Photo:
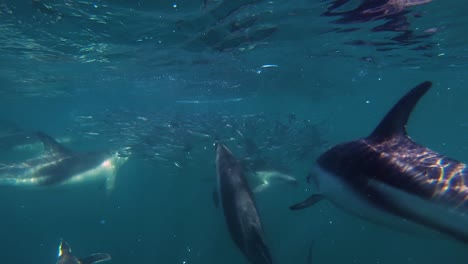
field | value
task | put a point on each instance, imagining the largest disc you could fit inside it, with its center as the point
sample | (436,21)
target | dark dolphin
(60,165)
(239,208)
(389,179)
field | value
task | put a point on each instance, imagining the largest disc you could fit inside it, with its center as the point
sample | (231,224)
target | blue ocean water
(279,82)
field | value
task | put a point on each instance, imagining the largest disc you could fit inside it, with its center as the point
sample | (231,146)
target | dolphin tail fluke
(313,199)
(95,258)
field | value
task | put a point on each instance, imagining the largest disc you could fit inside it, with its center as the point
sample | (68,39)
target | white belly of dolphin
(432,212)
(344,197)
(103,171)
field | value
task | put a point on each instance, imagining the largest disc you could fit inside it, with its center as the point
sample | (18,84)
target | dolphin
(389,179)
(60,165)
(65,256)
(240,211)
(268,177)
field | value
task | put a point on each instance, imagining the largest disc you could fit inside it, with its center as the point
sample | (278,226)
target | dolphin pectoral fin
(95,258)
(260,188)
(215,198)
(110,183)
(313,199)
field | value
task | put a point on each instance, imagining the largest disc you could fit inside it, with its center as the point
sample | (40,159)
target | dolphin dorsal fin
(394,123)
(95,258)
(51,144)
